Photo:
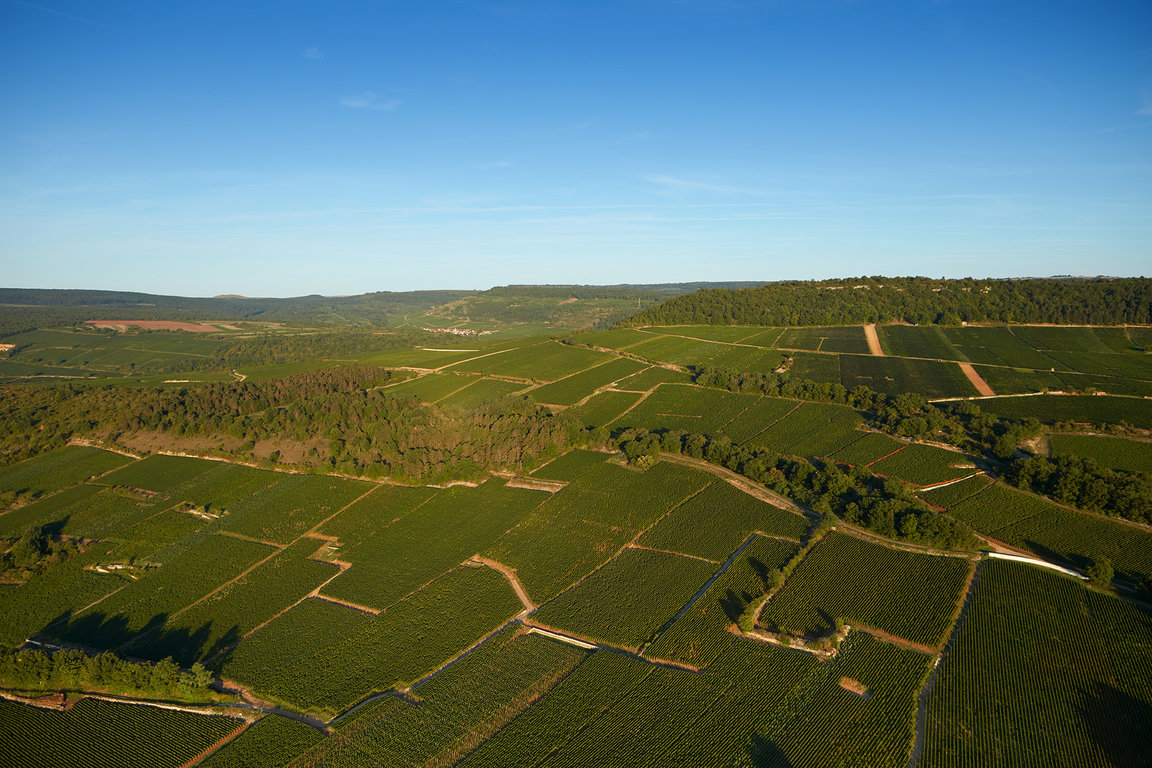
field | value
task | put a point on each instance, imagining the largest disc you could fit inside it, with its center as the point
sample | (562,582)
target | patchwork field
(575,610)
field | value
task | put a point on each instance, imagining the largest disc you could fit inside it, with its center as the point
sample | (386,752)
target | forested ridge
(351,426)
(917,300)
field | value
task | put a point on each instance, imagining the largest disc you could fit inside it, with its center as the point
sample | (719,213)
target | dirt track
(977,381)
(873,340)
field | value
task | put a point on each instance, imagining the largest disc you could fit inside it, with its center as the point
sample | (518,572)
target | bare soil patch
(873,340)
(855,686)
(977,381)
(151,442)
(155,325)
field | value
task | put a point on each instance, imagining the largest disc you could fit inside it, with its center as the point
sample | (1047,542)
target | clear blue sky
(292,147)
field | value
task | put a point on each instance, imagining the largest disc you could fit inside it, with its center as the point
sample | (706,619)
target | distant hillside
(1100,301)
(560,306)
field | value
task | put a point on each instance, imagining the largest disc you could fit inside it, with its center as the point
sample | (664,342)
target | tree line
(918,300)
(1069,480)
(885,506)
(74,670)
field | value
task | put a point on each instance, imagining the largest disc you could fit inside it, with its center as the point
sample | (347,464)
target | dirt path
(918,549)
(469,359)
(900,642)
(678,554)
(873,340)
(513,579)
(534,484)
(588,643)
(977,381)
(739,481)
(346,603)
(947,483)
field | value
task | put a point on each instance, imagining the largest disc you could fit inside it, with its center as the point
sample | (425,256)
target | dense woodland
(347,424)
(916,300)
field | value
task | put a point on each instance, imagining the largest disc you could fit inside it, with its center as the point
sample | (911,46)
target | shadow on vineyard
(1077,561)
(734,604)
(765,754)
(1118,723)
(153,641)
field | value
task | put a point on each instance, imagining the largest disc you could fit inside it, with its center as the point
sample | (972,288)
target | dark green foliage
(1099,571)
(911,299)
(69,670)
(361,430)
(1084,484)
(33,553)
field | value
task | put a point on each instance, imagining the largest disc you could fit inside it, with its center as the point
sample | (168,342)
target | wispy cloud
(61,14)
(313,53)
(673,184)
(369,100)
(492,165)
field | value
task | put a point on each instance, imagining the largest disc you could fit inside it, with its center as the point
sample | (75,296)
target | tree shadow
(763,572)
(765,754)
(1118,723)
(153,641)
(829,622)
(734,604)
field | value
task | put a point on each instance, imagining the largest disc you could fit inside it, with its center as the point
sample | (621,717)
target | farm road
(510,574)
(977,380)
(873,340)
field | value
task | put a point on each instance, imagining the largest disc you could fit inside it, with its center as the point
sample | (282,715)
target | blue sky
(292,147)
